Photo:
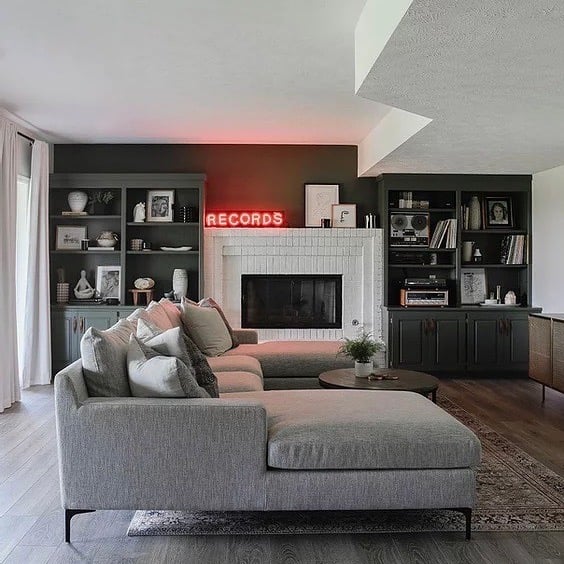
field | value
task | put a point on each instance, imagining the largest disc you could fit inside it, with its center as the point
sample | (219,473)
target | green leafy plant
(101,197)
(363,348)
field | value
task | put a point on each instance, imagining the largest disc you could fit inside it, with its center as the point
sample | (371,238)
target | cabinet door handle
(433,325)
(501,326)
(82,324)
(74,324)
(508,327)
(426,326)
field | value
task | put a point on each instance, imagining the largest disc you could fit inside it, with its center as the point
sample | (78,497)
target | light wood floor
(31,522)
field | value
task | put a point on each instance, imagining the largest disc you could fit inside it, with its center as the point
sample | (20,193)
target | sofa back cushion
(206,328)
(156,375)
(104,360)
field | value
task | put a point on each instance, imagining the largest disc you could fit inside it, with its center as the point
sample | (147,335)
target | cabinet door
(484,341)
(98,319)
(540,349)
(64,342)
(446,341)
(558,355)
(516,342)
(409,339)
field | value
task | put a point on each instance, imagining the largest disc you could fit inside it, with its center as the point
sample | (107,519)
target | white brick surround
(356,254)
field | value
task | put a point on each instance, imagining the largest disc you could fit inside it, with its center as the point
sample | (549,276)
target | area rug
(515,493)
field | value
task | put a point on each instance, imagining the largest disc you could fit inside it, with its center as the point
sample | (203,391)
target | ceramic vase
(467,248)
(474,213)
(77,201)
(179,283)
(363,369)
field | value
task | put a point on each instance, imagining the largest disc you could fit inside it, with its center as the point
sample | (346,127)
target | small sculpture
(144,283)
(83,290)
(139,212)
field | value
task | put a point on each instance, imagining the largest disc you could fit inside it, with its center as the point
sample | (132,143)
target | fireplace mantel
(356,254)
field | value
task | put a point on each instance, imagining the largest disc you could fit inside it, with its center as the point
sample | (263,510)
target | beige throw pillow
(206,328)
(210,302)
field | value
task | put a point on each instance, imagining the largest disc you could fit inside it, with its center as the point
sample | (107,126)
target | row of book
(445,232)
(513,250)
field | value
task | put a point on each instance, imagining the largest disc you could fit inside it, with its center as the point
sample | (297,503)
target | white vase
(179,283)
(77,201)
(363,369)
(474,214)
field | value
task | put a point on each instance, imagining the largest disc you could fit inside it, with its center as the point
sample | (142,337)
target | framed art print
(318,201)
(160,205)
(69,236)
(472,285)
(343,215)
(108,282)
(498,212)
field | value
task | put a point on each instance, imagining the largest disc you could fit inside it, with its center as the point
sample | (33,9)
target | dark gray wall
(239,176)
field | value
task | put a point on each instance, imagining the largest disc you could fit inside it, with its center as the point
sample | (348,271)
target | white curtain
(33,310)
(9,384)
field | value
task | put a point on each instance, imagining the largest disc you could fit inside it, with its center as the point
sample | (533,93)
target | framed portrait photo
(472,285)
(160,205)
(69,236)
(108,282)
(498,212)
(318,201)
(343,215)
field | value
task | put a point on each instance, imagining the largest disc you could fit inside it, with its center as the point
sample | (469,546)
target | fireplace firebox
(291,301)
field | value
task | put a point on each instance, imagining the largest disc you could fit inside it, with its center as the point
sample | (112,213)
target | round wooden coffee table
(407,380)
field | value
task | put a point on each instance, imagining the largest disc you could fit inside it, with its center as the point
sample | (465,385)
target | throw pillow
(175,342)
(210,302)
(156,376)
(206,328)
(157,315)
(104,360)
(172,311)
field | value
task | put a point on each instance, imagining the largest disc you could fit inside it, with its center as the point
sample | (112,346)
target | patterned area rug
(515,493)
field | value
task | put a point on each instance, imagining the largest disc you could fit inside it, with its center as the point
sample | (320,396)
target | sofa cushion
(235,363)
(280,359)
(349,429)
(104,360)
(233,381)
(175,342)
(152,375)
(206,328)
(172,311)
(210,302)
(158,315)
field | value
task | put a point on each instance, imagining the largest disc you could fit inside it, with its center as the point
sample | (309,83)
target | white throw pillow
(152,375)
(206,328)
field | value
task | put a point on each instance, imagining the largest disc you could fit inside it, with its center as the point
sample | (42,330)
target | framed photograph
(318,201)
(108,282)
(343,215)
(498,211)
(159,205)
(472,285)
(69,236)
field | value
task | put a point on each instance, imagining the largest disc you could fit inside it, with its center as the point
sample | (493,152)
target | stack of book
(513,249)
(445,231)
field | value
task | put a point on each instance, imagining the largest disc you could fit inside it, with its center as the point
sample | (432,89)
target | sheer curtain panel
(34,312)
(9,384)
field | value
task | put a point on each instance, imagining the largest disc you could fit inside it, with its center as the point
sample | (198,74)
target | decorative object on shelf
(433,259)
(474,214)
(477,255)
(472,285)
(188,214)
(361,350)
(139,212)
(63,292)
(467,248)
(77,201)
(499,212)
(108,282)
(179,283)
(99,201)
(144,283)
(84,244)
(370,221)
(510,298)
(148,294)
(107,239)
(83,290)
(136,244)
(343,215)
(325,222)
(318,201)
(176,249)
(159,205)
(169,295)
(146,246)
(68,237)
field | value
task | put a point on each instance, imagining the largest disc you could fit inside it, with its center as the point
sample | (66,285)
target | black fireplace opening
(291,301)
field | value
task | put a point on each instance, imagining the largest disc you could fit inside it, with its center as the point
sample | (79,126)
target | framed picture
(159,205)
(318,201)
(498,211)
(472,285)
(69,236)
(108,282)
(343,215)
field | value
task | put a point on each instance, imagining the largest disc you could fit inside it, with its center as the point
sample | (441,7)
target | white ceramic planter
(363,369)
(179,283)
(77,201)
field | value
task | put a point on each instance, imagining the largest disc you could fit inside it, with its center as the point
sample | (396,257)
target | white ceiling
(488,75)
(251,71)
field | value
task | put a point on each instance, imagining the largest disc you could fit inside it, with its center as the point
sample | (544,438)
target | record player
(409,229)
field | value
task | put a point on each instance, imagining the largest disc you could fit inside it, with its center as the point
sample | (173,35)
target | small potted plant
(99,201)
(361,350)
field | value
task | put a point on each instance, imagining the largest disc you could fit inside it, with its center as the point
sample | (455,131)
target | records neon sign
(245,219)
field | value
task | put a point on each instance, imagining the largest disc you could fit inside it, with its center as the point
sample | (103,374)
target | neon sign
(245,219)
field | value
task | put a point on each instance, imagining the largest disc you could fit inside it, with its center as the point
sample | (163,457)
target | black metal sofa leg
(467,512)
(69,514)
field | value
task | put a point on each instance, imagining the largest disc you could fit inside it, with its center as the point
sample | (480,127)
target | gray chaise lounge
(261,451)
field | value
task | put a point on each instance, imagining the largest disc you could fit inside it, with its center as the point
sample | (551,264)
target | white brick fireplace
(356,254)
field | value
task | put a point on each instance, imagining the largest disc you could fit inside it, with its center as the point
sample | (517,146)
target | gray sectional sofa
(256,450)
